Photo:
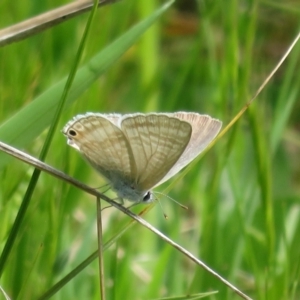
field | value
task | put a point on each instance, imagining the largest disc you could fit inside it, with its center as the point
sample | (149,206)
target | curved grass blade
(30,121)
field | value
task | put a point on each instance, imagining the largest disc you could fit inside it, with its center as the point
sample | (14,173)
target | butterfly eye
(72,132)
(147,197)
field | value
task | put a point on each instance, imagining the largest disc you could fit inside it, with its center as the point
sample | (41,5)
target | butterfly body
(137,152)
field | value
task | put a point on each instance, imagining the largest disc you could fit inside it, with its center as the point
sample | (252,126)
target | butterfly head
(129,191)
(148,197)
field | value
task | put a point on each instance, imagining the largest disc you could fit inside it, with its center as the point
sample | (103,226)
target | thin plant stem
(41,165)
(46,20)
(100,249)
(36,173)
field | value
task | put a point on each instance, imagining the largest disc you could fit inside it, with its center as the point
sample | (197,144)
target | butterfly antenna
(156,199)
(178,203)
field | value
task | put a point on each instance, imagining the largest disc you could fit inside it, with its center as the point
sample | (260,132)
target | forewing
(157,141)
(204,130)
(102,143)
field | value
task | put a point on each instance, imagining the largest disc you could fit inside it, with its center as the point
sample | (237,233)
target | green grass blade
(29,122)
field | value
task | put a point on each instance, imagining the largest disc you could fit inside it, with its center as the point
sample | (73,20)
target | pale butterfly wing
(137,152)
(102,143)
(204,130)
(157,141)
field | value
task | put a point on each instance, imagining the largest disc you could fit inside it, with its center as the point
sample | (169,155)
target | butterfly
(137,152)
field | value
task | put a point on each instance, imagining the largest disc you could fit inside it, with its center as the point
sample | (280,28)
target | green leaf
(30,121)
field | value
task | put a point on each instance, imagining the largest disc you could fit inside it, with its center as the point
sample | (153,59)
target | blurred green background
(243,195)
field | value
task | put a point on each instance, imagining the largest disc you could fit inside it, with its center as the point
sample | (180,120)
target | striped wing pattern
(103,144)
(157,141)
(137,152)
(204,130)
